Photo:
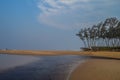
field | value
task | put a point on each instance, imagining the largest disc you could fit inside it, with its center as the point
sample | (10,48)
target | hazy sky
(50,24)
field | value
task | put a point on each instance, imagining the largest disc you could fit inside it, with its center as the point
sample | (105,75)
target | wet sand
(97,69)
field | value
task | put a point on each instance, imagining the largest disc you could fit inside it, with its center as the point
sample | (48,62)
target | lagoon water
(22,67)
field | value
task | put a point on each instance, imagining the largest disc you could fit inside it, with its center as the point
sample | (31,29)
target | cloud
(70,13)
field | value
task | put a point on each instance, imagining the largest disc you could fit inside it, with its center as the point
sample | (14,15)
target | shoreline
(102,65)
(99,54)
(97,69)
(75,67)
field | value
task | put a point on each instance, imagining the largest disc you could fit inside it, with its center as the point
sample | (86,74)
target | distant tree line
(104,34)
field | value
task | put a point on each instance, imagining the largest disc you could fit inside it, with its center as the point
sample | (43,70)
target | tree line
(103,34)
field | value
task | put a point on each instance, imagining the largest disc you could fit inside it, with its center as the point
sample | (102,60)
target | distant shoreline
(105,54)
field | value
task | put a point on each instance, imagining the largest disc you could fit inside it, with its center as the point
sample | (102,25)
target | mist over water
(37,67)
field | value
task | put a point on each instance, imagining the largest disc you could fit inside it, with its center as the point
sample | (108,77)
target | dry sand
(49,53)
(97,69)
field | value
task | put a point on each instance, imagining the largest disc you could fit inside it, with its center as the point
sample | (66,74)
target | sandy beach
(102,66)
(106,54)
(97,69)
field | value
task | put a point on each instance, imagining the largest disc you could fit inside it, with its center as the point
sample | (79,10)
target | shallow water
(18,67)
(11,61)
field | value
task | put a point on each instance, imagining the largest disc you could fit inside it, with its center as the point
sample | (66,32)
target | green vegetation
(103,36)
